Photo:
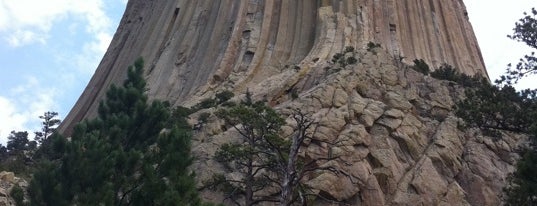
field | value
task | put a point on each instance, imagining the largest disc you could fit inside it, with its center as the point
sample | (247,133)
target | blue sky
(49,50)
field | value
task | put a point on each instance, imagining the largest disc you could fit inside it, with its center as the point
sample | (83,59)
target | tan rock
(389,75)
(397,101)
(340,98)
(372,112)
(4,201)
(7,176)
(355,135)
(428,182)
(339,188)
(357,104)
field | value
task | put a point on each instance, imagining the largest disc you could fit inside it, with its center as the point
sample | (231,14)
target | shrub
(223,96)
(204,104)
(371,46)
(351,60)
(421,66)
(18,195)
(337,57)
(204,117)
(294,94)
(349,49)
(446,72)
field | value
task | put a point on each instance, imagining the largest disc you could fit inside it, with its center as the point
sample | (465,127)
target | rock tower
(192,46)
(404,146)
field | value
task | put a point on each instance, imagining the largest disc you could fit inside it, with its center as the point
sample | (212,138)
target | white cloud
(9,119)
(34,18)
(20,110)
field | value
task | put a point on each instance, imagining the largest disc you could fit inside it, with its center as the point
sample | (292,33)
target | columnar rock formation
(399,142)
(192,47)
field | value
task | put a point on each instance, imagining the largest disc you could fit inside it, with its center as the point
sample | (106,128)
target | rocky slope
(398,140)
(8,181)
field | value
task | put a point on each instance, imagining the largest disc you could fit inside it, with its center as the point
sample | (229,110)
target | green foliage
(342,61)
(522,186)
(294,94)
(256,123)
(446,72)
(17,155)
(351,60)
(494,108)
(125,156)
(205,103)
(18,195)
(491,107)
(337,57)
(525,31)
(224,96)
(421,66)
(220,98)
(349,49)
(268,164)
(48,126)
(17,142)
(371,46)
(204,117)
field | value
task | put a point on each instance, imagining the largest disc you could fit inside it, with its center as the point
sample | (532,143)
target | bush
(204,117)
(294,94)
(204,104)
(349,49)
(421,67)
(371,46)
(336,58)
(18,195)
(224,96)
(446,72)
(351,60)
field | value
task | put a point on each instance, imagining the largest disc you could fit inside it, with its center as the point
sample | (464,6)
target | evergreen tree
(17,142)
(493,107)
(269,165)
(48,126)
(525,31)
(125,156)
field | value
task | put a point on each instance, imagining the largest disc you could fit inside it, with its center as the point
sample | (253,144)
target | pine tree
(268,163)
(49,124)
(125,156)
(525,31)
(501,107)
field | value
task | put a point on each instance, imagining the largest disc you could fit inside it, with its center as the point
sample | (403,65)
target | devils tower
(192,46)
(403,143)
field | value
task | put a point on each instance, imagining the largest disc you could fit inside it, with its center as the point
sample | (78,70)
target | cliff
(192,47)
(401,143)
(396,138)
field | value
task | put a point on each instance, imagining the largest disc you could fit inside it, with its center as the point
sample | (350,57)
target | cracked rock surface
(399,142)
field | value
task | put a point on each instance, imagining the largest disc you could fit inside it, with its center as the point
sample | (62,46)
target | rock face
(8,181)
(193,47)
(398,140)
(396,137)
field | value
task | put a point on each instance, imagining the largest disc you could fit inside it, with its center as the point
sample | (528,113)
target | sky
(50,49)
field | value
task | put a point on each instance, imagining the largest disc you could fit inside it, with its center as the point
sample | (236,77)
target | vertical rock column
(193,47)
